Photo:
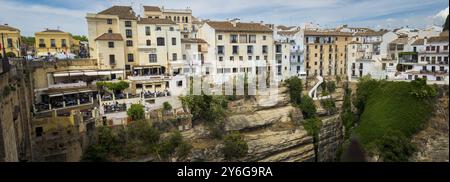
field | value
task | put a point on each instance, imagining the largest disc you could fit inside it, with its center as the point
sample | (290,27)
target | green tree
(308,107)
(167,106)
(80,37)
(331,86)
(365,87)
(347,113)
(117,87)
(136,112)
(28,40)
(329,105)
(295,89)
(395,147)
(420,89)
(234,146)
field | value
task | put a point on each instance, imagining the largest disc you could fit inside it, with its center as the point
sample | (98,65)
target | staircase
(313,92)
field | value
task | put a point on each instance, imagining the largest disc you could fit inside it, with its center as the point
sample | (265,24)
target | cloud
(32,16)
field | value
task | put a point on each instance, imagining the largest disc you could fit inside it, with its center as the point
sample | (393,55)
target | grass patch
(391,107)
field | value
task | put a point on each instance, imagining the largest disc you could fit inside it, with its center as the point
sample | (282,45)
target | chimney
(425,41)
(234,21)
(139,17)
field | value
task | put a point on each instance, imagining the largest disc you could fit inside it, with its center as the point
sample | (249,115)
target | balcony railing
(68,85)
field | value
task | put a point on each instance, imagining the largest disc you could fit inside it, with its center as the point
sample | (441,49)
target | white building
(289,49)
(431,61)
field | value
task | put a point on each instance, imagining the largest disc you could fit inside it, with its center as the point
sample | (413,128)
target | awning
(86,73)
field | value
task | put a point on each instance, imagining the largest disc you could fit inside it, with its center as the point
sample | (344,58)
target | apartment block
(430,61)
(292,51)
(238,47)
(50,42)
(326,52)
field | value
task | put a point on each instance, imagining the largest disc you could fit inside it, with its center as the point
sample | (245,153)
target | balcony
(42,45)
(408,61)
(148,77)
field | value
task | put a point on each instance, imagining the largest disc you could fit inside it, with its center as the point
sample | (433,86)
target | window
(249,49)
(63,43)
(129,43)
(257,57)
(128,33)
(130,57)
(158,28)
(52,43)
(128,67)
(109,21)
(110,31)
(219,70)
(111,44)
(445,48)
(160,41)
(174,56)
(220,58)
(127,23)
(220,49)
(219,37)
(147,30)
(149,42)
(233,38)
(264,37)
(252,39)
(41,43)
(235,70)
(10,42)
(171,29)
(174,41)
(243,38)
(112,59)
(241,58)
(264,49)
(180,83)
(231,58)
(249,58)
(235,49)
(152,58)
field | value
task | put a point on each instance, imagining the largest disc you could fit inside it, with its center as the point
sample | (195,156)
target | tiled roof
(152,8)
(193,40)
(110,36)
(370,33)
(438,39)
(155,21)
(124,12)
(326,33)
(51,31)
(226,26)
(418,42)
(402,40)
(9,28)
(287,33)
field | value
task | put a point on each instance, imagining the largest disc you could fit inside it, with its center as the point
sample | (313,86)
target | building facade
(10,40)
(51,42)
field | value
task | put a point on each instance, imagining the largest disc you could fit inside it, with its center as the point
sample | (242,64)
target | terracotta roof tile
(225,26)
(110,36)
(124,12)
(418,42)
(326,33)
(152,8)
(438,39)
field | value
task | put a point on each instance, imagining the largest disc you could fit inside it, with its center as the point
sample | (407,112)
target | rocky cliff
(433,142)
(273,134)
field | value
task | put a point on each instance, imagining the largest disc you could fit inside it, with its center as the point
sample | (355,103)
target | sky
(69,15)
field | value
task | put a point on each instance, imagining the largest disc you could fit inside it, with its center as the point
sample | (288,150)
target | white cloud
(329,13)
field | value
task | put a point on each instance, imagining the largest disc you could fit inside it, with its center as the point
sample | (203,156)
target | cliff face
(433,142)
(273,134)
(331,136)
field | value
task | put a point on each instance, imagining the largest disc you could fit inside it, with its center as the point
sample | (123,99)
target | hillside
(391,117)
